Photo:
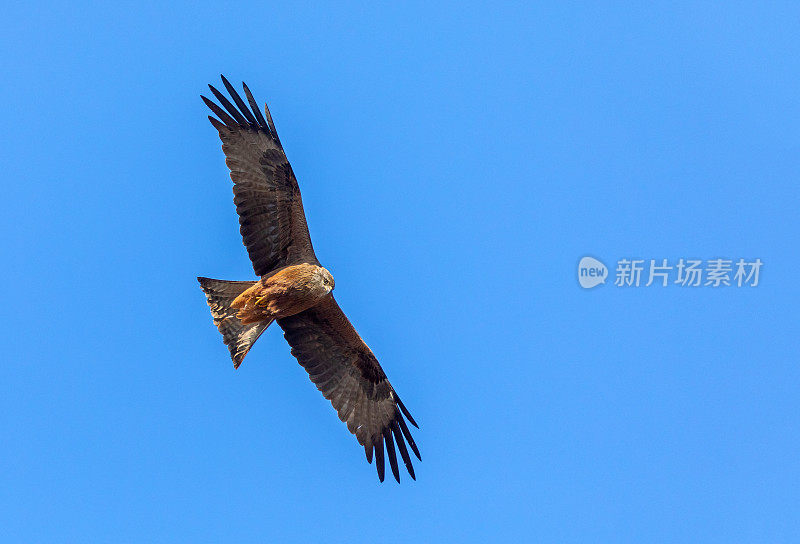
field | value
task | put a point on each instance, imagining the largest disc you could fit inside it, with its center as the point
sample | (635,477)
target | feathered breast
(288,291)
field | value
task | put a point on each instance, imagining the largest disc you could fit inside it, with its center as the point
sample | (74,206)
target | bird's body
(285,292)
(294,289)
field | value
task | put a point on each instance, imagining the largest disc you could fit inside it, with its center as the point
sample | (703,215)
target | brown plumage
(287,291)
(294,289)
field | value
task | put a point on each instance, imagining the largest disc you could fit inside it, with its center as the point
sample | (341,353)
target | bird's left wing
(267,198)
(347,373)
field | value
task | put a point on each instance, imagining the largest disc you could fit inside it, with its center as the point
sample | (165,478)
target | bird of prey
(294,289)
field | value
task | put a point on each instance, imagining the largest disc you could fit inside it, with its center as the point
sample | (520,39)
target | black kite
(294,289)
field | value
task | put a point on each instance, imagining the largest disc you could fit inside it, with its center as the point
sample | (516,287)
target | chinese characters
(687,273)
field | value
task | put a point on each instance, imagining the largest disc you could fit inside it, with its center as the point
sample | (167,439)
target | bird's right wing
(347,373)
(266,194)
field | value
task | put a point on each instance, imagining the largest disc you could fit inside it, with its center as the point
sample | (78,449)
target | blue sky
(456,162)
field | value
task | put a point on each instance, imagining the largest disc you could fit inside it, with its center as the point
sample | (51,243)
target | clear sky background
(456,161)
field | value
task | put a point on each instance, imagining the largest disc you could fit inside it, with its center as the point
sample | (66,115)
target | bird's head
(326,279)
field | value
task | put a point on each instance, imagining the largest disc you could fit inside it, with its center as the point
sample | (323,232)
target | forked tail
(239,337)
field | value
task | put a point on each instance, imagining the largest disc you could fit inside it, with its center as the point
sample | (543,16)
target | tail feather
(238,336)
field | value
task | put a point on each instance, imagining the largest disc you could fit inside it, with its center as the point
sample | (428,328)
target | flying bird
(294,289)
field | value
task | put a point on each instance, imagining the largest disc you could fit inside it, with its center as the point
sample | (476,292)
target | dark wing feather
(266,194)
(347,373)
